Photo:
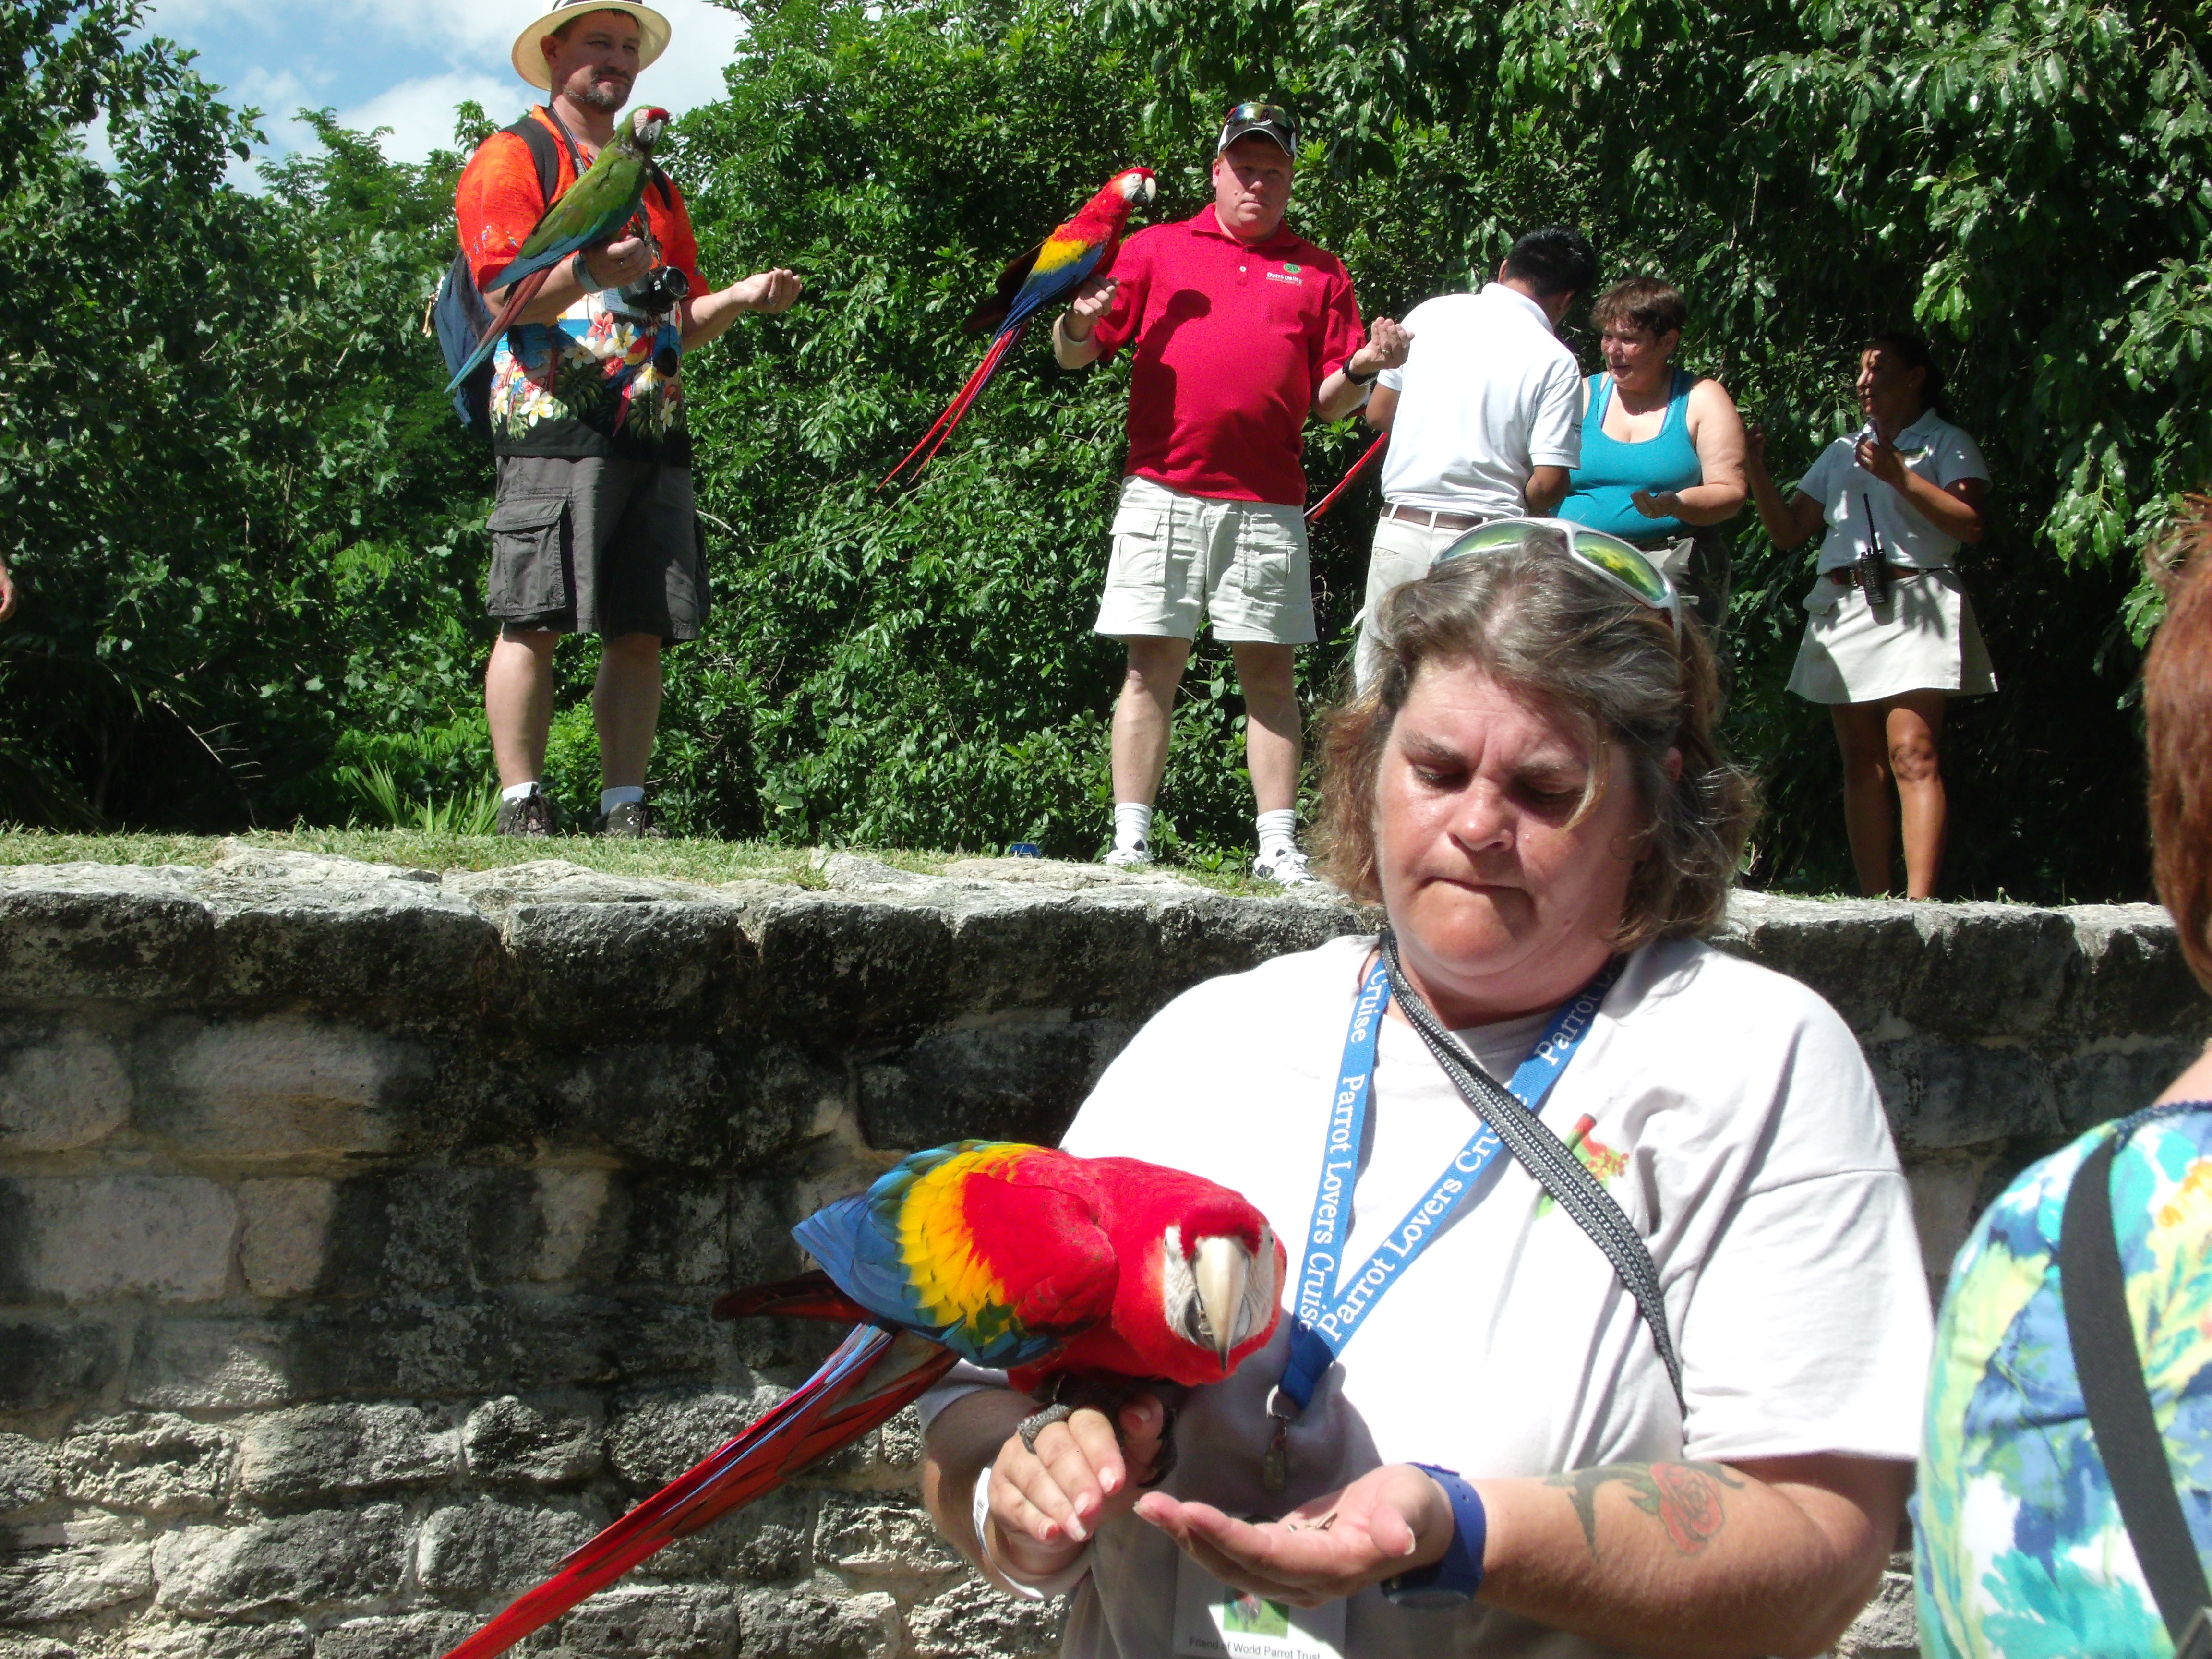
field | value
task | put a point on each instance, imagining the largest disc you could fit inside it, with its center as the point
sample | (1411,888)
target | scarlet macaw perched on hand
(1020,1257)
(590,212)
(1083,245)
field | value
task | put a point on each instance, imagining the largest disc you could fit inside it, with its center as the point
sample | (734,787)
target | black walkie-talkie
(1874,566)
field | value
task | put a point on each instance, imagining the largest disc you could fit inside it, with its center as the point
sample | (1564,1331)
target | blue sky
(404,64)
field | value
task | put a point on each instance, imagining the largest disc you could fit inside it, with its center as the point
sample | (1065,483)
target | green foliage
(251,537)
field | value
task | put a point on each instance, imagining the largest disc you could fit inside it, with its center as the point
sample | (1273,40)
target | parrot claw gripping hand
(588,214)
(1081,1277)
(1082,247)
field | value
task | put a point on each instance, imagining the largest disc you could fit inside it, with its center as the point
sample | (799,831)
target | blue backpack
(459,315)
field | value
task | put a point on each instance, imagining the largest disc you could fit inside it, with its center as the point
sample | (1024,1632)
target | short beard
(603,95)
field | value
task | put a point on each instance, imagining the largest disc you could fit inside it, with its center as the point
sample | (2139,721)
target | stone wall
(357,1226)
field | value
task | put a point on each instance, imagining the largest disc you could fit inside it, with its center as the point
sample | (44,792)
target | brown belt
(1436,520)
(1848,576)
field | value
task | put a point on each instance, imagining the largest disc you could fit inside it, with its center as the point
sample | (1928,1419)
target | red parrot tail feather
(519,294)
(823,1415)
(809,1296)
(1344,482)
(954,410)
(993,312)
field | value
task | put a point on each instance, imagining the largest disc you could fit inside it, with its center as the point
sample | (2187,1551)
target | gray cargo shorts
(596,546)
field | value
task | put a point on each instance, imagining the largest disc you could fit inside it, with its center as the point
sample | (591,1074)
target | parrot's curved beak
(1220,1268)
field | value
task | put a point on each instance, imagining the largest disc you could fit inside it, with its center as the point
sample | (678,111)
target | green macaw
(591,211)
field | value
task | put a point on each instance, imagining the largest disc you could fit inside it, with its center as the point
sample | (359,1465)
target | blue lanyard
(1330,1308)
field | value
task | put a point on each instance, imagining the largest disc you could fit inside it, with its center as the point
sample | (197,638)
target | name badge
(1215,1621)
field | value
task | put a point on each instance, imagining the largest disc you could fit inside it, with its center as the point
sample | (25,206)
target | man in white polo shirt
(1484,418)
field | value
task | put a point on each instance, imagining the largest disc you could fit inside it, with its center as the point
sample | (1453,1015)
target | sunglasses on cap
(1273,119)
(1623,564)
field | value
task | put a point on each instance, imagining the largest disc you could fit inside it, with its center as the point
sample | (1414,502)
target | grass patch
(706,860)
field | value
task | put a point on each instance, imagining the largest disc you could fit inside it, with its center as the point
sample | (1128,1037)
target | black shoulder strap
(2092,1288)
(1546,1156)
(544,151)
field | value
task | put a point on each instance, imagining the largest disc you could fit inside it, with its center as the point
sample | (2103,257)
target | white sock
(1278,831)
(519,792)
(1133,825)
(611,798)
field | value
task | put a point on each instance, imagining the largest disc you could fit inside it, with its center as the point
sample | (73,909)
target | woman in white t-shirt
(1912,487)
(1465,1438)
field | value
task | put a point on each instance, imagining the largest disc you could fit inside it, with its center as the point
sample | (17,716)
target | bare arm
(1545,488)
(1385,347)
(1953,508)
(1700,1560)
(1717,430)
(1790,523)
(7,594)
(768,292)
(1072,344)
(1382,408)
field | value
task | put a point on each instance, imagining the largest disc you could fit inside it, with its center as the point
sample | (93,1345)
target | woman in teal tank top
(1663,449)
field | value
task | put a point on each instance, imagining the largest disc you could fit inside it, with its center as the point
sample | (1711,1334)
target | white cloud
(421,113)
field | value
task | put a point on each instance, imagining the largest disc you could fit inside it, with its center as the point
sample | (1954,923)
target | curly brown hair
(2177,729)
(1536,622)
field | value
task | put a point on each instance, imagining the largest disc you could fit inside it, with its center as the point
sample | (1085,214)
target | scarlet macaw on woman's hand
(1053,268)
(590,212)
(1012,1257)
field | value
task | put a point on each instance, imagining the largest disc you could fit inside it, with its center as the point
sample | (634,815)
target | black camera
(658,290)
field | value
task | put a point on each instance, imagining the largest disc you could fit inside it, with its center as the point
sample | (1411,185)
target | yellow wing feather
(935,1245)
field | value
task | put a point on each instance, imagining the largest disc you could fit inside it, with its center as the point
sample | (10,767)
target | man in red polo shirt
(1238,329)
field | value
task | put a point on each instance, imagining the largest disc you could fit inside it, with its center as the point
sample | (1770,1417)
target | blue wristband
(1452,1580)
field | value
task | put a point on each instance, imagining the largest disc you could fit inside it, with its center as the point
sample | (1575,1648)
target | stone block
(282,1565)
(82,1238)
(61,1090)
(412,1636)
(281,1087)
(284,1223)
(1947,1198)
(362,940)
(1203,934)
(881,1537)
(209,1364)
(47,1365)
(768,1539)
(155,1464)
(43,1586)
(802,1624)
(491,1547)
(1888,1628)
(14,1645)
(679,1229)
(320,1453)
(282,1639)
(2109,1080)
(1000,1082)
(431,1231)
(2135,979)
(1943,1095)
(586,969)
(85,933)
(654,1621)
(867,971)
(26,1473)
(971,1620)
(572,1208)
(548,1441)
(1087,952)
(653,1438)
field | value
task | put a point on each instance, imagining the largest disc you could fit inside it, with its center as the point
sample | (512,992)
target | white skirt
(1925,639)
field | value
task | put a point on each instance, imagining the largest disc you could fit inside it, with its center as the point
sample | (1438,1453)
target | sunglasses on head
(1263,115)
(1623,564)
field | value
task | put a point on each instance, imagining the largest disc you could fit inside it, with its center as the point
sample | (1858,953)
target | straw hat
(529,60)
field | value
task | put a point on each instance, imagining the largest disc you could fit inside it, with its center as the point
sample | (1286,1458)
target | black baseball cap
(1269,120)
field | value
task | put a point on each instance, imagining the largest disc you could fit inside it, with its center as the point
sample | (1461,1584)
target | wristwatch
(581,268)
(1452,1580)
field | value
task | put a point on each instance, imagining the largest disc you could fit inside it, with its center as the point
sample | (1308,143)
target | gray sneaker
(533,815)
(1130,858)
(1286,869)
(633,820)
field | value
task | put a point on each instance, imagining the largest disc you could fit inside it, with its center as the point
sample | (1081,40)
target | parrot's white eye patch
(1219,1282)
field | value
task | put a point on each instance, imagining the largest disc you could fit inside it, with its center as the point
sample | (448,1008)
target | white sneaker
(1287,868)
(1130,858)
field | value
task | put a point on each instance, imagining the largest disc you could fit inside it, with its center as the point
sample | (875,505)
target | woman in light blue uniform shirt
(1662,448)
(1913,485)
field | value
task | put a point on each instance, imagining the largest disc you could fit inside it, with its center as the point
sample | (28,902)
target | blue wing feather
(1042,288)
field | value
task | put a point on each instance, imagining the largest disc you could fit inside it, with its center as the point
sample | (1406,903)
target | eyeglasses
(1258,115)
(1623,564)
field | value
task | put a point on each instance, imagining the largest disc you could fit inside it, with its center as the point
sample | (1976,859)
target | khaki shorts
(1402,553)
(596,546)
(1177,556)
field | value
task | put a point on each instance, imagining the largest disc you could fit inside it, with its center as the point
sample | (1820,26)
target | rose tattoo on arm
(1687,1497)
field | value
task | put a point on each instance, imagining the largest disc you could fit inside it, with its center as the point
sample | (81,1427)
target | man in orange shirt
(595,529)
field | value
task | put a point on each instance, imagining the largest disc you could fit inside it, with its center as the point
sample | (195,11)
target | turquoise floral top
(2021,1551)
